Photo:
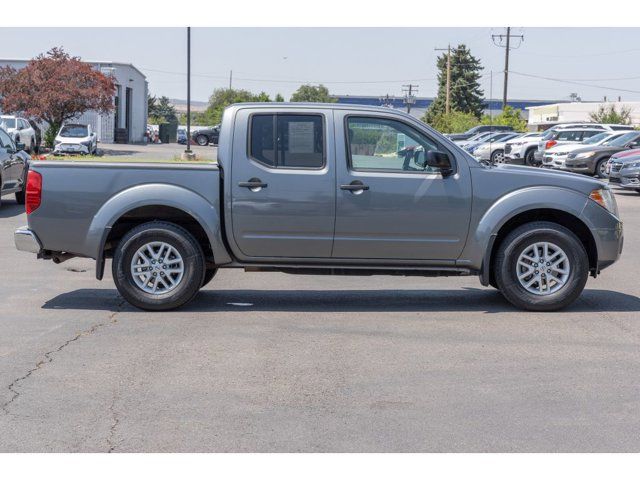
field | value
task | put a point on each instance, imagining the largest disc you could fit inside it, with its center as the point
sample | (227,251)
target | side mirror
(20,146)
(439,160)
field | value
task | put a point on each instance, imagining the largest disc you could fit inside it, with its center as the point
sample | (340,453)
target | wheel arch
(160,202)
(554,215)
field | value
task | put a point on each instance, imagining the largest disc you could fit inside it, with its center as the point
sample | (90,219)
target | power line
(575,83)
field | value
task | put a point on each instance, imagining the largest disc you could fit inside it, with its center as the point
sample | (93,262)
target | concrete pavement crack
(112,430)
(48,357)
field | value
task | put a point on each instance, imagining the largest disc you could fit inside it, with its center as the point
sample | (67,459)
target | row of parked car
(605,150)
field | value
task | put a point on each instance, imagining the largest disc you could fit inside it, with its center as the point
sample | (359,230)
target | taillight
(550,144)
(34,191)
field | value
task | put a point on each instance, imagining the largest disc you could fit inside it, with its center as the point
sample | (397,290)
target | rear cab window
(287,140)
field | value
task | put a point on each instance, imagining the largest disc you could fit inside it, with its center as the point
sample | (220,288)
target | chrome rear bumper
(26,240)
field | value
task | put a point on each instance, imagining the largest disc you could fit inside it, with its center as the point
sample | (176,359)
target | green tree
(611,115)
(160,110)
(509,116)
(466,94)
(312,93)
(222,98)
(279,98)
(454,122)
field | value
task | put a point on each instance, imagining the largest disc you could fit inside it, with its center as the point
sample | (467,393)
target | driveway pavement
(270,362)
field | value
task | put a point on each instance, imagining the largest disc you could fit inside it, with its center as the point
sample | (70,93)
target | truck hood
(545,177)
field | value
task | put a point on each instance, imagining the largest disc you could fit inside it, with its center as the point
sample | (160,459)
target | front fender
(207,215)
(514,203)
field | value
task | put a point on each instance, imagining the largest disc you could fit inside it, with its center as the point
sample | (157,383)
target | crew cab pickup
(325,189)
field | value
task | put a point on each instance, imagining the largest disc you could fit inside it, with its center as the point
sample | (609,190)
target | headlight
(583,155)
(604,197)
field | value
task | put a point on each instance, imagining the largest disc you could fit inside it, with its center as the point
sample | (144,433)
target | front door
(283,184)
(7,162)
(389,205)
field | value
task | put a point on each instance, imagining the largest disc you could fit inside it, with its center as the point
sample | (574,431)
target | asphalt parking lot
(271,362)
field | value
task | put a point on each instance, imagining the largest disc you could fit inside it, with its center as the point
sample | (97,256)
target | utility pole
(230,79)
(188,152)
(409,98)
(504,41)
(447,104)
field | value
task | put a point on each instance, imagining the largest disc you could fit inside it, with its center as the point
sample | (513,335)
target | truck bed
(81,199)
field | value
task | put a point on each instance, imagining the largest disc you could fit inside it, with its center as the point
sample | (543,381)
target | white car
(20,131)
(76,138)
(520,150)
(555,157)
(494,151)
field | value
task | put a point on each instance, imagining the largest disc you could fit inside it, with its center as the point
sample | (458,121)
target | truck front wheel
(158,266)
(541,266)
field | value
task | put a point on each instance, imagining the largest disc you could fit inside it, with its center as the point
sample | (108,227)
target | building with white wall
(129,118)
(544,116)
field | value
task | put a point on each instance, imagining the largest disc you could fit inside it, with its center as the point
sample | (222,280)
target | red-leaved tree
(55,87)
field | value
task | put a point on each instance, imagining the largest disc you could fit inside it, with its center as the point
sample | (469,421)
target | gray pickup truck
(325,189)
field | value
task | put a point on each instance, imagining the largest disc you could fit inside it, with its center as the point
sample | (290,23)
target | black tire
(181,240)
(514,244)
(208,276)
(202,140)
(601,168)
(529,159)
(497,156)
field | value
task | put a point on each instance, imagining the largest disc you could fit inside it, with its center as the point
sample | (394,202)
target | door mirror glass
(439,160)
(20,146)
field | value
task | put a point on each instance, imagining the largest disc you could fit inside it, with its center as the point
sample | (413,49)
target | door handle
(253,183)
(355,186)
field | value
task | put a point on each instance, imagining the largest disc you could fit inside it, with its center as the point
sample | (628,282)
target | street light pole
(188,151)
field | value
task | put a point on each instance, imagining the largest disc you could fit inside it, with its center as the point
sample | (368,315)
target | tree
(311,93)
(55,88)
(222,98)
(509,116)
(279,98)
(163,111)
(611,115)
(454,122)
(466,94)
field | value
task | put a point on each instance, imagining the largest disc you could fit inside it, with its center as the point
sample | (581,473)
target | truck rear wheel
(541,266)
(158,266)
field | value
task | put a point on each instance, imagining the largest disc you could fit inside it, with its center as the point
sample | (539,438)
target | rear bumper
(26,240)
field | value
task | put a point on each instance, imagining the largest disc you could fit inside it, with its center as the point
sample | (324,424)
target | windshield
(624,139)
(596,138)
(74,131)
(9,122)
(479,136)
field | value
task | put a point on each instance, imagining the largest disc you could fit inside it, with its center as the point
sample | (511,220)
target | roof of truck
(309,105)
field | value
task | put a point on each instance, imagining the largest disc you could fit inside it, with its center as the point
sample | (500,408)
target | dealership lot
(271,362)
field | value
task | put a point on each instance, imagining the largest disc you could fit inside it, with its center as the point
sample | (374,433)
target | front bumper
(630,180)
(71,148)
(26,240)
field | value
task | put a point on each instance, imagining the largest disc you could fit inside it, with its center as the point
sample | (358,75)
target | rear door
(283,183)
(388,206)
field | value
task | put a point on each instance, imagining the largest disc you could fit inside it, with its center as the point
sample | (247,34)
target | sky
(353,61)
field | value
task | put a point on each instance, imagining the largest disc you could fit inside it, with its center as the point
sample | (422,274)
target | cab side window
(383,144)
(287,140)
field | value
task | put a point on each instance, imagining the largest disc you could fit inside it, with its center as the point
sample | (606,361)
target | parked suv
(20,131)
(14,164)
(520,150)
(76,138)
(479,129)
